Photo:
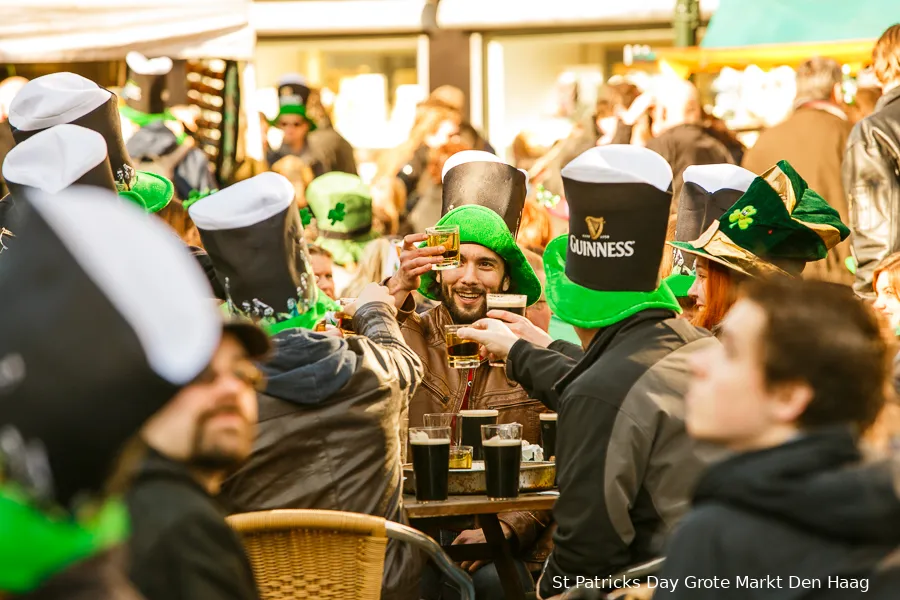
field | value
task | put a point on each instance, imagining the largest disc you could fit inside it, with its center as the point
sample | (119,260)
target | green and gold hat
(481,225)
(342,205)
(777,226)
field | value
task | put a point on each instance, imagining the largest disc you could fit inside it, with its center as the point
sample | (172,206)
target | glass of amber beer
(461,353)
(514,303)
(448,237)
(344,319)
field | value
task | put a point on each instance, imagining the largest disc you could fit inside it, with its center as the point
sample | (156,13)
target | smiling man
(485,198)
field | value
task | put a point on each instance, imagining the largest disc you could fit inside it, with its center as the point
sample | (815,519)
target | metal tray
(534,477)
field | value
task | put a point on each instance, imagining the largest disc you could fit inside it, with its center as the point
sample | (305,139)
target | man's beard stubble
(210,457)
(460,316)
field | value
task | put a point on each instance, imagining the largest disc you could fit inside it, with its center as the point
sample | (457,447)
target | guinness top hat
(342,205)
(478,177)
(57,158)
(607,267)
(293,96)
(83,363)
(776,226)
(707,193)
(61,98)
(254,237)
(147,89)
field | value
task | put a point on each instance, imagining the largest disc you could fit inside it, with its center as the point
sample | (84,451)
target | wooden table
(431,515)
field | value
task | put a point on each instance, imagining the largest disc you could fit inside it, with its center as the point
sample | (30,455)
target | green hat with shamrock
(777,226)
(481,225)
(342,205)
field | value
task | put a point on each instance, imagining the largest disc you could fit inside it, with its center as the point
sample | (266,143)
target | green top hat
(481,225)
(342,205)
(293,96)
(777,226)
(592,309)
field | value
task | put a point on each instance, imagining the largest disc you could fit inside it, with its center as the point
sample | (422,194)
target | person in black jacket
(625,464)
(181,546)
(803,368)
(871,169)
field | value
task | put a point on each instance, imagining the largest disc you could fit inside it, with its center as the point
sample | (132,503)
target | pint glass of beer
(430,447)
(548,434)
(514,303)
(502,459)
(448,420)
(448,237)
(470,422)
(461,353)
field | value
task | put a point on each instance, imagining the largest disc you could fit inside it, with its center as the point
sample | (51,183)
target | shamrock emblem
(305,216)
(742,218)
(337,213)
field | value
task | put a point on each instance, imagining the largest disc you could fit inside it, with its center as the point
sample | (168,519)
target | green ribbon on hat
(37,544)
(778,220)
(481,225)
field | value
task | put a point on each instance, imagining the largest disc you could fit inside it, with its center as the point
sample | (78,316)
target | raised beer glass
(548,434)
(502,460)
(448,237)
(461,353)
(470,422)
(514,303)
(345,320)
(430,447)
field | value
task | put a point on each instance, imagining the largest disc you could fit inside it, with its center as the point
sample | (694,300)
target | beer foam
(427,441)
(480,413)
(498,441)
(547,416)
(511,300)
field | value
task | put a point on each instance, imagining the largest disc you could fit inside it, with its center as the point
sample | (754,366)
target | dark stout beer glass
(502,460)
(470,427)
(430,447)
(548,434)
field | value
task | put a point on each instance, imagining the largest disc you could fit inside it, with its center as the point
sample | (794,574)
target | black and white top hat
(293,90)
(83,360)
(61,98)
(478,177)
(708,191)
(619,199)
(57,158)
(149,82)
(254,236)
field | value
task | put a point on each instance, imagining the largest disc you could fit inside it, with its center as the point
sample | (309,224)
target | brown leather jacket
(443,389)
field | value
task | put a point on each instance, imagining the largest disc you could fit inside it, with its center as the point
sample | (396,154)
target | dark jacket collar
(888,98)
(605,337)
(157,465)
(815,482)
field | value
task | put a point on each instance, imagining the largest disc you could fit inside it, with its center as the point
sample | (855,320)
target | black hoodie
(807,519)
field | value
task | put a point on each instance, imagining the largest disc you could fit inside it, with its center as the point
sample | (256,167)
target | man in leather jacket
(330,413)
(871,171)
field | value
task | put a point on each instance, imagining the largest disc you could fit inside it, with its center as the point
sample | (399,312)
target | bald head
(9,87)
(677,103)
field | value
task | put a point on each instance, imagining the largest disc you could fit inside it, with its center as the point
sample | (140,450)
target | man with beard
(484,197)
(181,546)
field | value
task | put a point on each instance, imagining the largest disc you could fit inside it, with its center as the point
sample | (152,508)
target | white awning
(86,30)
(488,15)
(311,18)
